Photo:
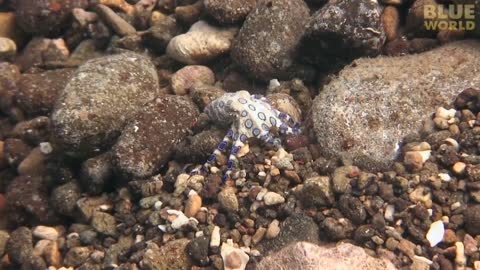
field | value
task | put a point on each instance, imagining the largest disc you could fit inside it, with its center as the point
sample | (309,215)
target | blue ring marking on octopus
(212,158)
(265,127)
(230,165)
(235,136)
(283,127)
(256,132)
(243,138)
(235,150)
(221,104)
(251,107)
(242,100)
(282,115)
(222,146)
(262,116)
(244,113)
(230,133)
(273,121)
(248,123)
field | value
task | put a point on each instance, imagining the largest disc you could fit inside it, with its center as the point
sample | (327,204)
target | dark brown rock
(229,11)
(472,219)
(27,199)
(266,46)
(64,198)
(37,93)
(15,150)
(148,141)
(96,172)
(45,17)
(341,31)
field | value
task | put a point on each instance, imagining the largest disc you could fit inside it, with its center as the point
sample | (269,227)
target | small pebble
(44,232)
(273,229)
(272,198)
(215,238)
(435,233)
(258,236)
(193,204)
(459,168)
(228,199)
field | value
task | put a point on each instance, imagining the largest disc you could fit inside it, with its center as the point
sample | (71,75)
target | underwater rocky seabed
(101,121)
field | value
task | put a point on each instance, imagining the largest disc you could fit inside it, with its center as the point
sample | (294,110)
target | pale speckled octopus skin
(249,116)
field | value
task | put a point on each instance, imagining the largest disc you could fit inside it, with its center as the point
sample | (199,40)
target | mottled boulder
(38,92)
(229,11)
(102,96)
(307,256)
(45,17)
(266,46)
(342,31)
(366,111)
(148,141)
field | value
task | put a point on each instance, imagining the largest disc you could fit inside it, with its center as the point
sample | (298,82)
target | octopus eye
(261,116)
(273,121)
(242,100)
(251,107)
(248,123)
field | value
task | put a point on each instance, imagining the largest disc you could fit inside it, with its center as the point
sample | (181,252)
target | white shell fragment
(233,258)
(435,233)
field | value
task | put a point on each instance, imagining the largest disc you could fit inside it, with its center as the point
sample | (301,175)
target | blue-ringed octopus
(250,116)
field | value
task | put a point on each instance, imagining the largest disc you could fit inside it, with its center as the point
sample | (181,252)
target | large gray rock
(102,96)
(307,256)
(366,111)
(266,46)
